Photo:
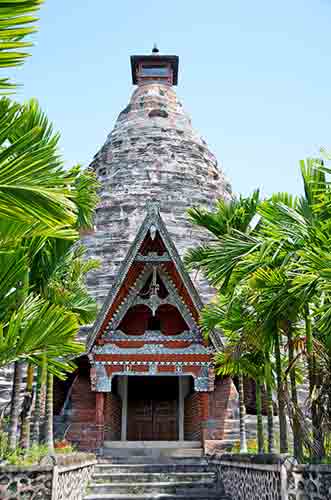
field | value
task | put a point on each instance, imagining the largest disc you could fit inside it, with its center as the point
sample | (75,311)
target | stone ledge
(77,459)
(323,468)
(251,459)
(25,468)
(62,461)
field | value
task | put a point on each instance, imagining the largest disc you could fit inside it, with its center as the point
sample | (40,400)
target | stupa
(153,152)
(148,374)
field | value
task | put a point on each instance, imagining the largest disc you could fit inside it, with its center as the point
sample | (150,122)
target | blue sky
(255,76)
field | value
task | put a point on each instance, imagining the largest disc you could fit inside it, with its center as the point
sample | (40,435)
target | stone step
(148,477)
(152,452)
(110,496)
(152,444)
(149,460)
(184,487)
(111,468)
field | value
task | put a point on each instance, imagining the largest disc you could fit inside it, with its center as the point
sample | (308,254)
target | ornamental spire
(155,49)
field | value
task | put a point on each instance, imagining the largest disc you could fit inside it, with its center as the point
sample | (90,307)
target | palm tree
(284,261)
(242,355)
(39,201)
(58,273)
(26,409)
(49,413)
(15,405)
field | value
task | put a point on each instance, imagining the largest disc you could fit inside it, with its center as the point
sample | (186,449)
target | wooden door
(140,420)
(152,420)
(165,420)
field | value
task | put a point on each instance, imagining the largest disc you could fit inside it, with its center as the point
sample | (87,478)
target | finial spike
(155,49)
(153,206)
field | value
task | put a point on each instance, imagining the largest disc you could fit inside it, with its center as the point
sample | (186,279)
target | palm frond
(16,23)
(33,185)
(228,215)
(38,328)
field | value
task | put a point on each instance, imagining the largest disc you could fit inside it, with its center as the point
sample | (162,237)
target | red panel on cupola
(156,68)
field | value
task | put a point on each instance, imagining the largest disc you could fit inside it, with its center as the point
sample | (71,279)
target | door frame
(183,390)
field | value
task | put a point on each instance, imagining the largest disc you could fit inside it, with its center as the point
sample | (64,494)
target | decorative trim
(151,349)
(130,299)
(175,299)
(104,384)
(102,381)
(153,258)
(205,364)
(153,336)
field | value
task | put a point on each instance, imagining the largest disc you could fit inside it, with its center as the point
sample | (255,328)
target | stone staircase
(143,478)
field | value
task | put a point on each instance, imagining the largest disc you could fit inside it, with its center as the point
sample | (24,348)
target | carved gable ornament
(149,321)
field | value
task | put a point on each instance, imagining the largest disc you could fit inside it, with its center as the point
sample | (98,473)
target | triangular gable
(133,266)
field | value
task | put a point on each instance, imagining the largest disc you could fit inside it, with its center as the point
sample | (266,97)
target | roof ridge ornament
(153,207)
(155,49)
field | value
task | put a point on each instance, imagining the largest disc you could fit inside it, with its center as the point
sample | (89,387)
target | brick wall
(113,415)
(83,430)
(222,403)
(192,417)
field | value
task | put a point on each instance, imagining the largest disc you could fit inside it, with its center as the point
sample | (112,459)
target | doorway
(152,408)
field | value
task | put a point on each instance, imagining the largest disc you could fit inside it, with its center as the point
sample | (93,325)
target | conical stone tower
(153,152)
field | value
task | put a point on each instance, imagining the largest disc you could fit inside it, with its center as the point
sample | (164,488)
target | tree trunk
(15,405)
(38,422)
(43,395)
(21,293)
(242,414)
(318,442)
(297,441)
(280,398)
(270,409)
(259,420)
(35,424)
(49,414)
(26,410)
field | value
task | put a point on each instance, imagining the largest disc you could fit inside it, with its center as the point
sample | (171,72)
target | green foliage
(32,456)
(42,209)
(38,328)
(34,188)
(16,18)
(251,446)
(274,294)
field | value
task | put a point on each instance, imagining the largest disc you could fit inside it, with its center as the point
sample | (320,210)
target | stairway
(141,478)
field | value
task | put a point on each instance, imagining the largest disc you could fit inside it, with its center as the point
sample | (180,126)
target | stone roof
(153,152)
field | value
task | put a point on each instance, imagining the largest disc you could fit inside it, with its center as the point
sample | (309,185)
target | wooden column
(100,408)
(99,418)
(124,422)
(204,415)
(181,408)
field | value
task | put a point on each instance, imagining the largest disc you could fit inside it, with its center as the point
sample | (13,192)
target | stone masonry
(152,153)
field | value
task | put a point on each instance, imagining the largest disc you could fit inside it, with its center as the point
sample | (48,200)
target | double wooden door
(152,420)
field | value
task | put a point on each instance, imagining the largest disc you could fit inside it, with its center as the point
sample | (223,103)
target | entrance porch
(150,408)
(161,409)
